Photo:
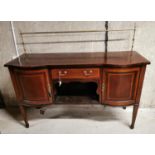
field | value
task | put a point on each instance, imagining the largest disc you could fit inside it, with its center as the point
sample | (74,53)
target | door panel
(120,85)
(34,86)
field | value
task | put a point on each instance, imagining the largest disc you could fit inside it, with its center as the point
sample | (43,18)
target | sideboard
(119,77)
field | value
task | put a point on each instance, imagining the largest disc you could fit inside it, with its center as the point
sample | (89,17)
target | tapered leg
(134,114)
(24,114)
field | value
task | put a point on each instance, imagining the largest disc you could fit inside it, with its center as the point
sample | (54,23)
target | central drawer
(79,73)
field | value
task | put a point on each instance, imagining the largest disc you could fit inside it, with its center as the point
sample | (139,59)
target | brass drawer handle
(62,73)
(87,72)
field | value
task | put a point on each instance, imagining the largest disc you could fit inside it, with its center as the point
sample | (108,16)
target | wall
(144,44)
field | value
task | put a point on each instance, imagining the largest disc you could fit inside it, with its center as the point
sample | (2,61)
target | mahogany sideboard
(119,76)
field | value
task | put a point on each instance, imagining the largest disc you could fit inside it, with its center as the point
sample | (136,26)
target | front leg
(134,114)
(24,115)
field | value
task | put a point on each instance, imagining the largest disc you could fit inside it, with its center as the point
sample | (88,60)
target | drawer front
(80,73)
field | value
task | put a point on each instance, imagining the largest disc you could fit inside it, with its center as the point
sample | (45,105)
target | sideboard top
(116,59)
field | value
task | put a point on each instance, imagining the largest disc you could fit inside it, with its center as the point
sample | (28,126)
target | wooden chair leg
(134,114)
(24,115)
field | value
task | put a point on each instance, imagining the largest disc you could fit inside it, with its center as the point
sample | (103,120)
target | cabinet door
(33,86)
(120,86)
